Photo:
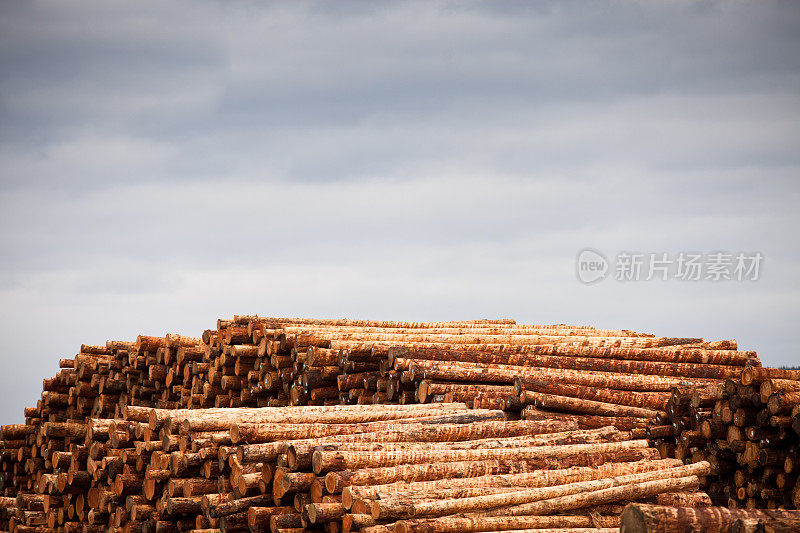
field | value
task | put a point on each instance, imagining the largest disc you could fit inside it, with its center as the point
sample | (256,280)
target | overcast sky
(165,164)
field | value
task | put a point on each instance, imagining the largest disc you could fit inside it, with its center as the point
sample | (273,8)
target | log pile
(341,425)
(748,428)
(596,386)
(373,468)
(258,362)
(380,362)
(573,376)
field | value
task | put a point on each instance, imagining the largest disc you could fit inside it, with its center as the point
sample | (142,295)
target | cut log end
(633,520)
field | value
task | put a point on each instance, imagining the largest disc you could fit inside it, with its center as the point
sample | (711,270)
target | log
(679,354)
(236,506)
(474,372)
(220,419)
(16,431)
(640,518)
(324,512)
(475,523)
(325,461)
(782,402)
(322,337)
(684,499)
(336,481)
(411,432)
(551,499)
(427,389)
(539,478)
(276,322)
(258,518)
(580,405)
(756,374)
(586,421)
(660,368)
(469,329)
(604,496)
(650,400)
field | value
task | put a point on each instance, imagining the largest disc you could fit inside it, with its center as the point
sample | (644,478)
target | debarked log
(649,400)
(643,518)
(401,355)
(325,461)
(476,522)
(474,372)
(209,420)
(539,478)
(336,481)
(555,498)
(580,405)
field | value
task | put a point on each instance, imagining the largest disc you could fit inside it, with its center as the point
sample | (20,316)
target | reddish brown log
(474,372)
(641,518)
(662,368)
(650,400)
(540,478)
(325,461)
(477,522)
(783,402)
(336,481)
(580,405)
(756,374)
(676,354)
(550,500)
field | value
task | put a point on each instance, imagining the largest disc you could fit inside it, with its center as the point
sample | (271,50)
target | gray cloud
(163,165)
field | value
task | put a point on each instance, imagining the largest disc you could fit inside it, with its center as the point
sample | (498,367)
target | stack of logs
(748,428)
(259,362)
(596,385)
(433,467)
(351,362)
(114,438)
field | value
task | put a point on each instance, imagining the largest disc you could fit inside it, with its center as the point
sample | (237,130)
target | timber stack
(625,386)
(342,425)
(372,468)
(259,362)
(748,428)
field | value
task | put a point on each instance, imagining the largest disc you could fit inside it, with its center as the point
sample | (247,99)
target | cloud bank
(163,165)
